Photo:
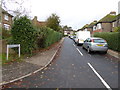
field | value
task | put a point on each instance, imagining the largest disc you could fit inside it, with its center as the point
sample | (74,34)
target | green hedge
(47,36)
(31,38)
(112,38)
(23,33)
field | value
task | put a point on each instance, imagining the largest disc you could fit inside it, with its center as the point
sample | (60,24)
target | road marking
(79,51)
(74,45)
(102,80)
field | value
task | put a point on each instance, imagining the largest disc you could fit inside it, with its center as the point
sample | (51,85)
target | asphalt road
(73,67)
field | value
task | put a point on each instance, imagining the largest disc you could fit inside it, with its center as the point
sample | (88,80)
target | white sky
(74,13)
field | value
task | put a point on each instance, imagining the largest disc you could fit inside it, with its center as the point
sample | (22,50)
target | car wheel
(77,44)
(88,50)
(83,47)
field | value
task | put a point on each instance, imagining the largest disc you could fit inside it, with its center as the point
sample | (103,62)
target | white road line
(74,45)
(79,51)
(102,80)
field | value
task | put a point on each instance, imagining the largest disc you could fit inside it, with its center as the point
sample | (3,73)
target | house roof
(38,23)
(85,26)
(3,11)
(92,24)
(108,19)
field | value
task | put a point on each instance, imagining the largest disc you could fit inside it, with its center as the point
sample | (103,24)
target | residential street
(73,67)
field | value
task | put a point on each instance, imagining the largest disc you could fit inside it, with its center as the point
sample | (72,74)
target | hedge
(23,33)
(112,38)
(30,37)
(47,36)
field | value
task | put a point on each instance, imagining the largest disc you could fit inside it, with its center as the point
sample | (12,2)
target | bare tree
(15,7)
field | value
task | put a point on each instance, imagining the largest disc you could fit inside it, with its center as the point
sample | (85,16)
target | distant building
(38,23)
(68,32)
(6,20)
(106,24)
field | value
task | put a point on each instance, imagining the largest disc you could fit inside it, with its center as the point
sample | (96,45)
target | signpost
(12,46)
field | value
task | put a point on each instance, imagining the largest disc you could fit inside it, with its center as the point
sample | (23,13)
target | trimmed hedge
(47,36)
(31,38)
(112,38)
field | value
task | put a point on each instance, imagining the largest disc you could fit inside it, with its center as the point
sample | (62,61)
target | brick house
(38,23)
(84,28)
(6,20)
(68,32)
(105,24)
(90,27)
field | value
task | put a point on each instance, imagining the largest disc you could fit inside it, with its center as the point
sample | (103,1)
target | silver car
(95,44)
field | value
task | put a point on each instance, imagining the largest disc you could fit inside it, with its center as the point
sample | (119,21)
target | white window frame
(94,28)
(99,26)
(6,17)
(7,27)
(113,24)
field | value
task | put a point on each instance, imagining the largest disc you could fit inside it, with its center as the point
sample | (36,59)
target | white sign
(12,46)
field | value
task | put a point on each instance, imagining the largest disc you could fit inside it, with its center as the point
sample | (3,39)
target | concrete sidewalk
(19,70)
(114,53)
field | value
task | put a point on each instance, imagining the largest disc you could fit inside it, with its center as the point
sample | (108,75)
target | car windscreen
(99,41)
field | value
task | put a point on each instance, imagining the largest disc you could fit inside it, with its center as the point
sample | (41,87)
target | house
(91,27)
(106,23)
(6,20)
(84,28)
(68,32)
(38,23)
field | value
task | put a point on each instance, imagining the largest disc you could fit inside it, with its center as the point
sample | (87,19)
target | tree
(18,10)
(53,22)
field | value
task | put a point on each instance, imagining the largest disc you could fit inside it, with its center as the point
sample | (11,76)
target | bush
(23,33)
(47,36)
(116,29)
(112,38)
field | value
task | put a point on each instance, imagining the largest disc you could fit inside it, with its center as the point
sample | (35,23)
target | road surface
(73,67)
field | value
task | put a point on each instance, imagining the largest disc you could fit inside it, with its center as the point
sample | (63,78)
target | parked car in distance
(95,44)
(74,37)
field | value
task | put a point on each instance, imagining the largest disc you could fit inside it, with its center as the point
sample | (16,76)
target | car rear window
(99,41)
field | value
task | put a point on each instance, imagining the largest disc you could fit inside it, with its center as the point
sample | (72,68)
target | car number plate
(99,45)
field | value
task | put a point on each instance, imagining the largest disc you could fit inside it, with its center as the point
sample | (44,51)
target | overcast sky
(74,13)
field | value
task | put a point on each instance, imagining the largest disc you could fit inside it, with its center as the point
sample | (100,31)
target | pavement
(19,70)
(114,53)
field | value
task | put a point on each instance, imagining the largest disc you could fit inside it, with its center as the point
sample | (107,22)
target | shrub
(47,36)
(116,29)
(23,33)
(112,38)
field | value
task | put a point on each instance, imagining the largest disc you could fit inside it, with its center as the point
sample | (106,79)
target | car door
(85,43)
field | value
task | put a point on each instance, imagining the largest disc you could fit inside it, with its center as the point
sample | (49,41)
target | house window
(7,27)
(85,29)
(6,17)
(113,24)
(94,28)
(99,26)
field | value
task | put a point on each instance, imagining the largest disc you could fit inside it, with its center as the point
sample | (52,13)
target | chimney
(95,21)
(113,13)
(35,20)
